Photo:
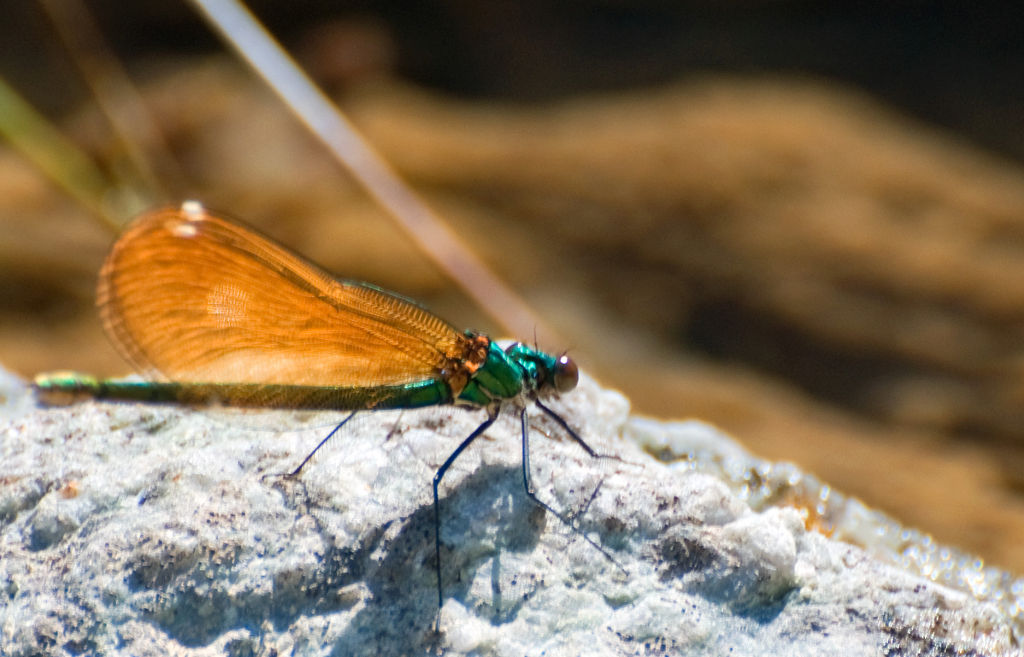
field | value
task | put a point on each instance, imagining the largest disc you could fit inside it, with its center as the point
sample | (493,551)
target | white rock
(145,530)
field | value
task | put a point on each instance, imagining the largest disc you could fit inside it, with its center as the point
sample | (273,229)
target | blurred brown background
(801,222)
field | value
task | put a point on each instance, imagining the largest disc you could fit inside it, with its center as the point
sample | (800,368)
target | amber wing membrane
(189,296)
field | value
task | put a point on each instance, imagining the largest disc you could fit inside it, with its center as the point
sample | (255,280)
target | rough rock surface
(142,530)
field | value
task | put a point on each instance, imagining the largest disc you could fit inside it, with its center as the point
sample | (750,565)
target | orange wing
(190,296)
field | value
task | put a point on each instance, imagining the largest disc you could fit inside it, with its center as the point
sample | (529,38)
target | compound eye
(567,375)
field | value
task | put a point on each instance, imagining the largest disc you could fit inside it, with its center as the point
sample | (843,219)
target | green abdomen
(68,387)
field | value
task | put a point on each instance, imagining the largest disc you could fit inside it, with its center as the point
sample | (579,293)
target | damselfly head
(544,370)
(566,374)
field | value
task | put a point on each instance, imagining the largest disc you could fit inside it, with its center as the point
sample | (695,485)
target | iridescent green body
(504,375)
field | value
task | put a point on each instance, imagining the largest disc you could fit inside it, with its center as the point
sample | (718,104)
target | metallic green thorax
(504,375)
